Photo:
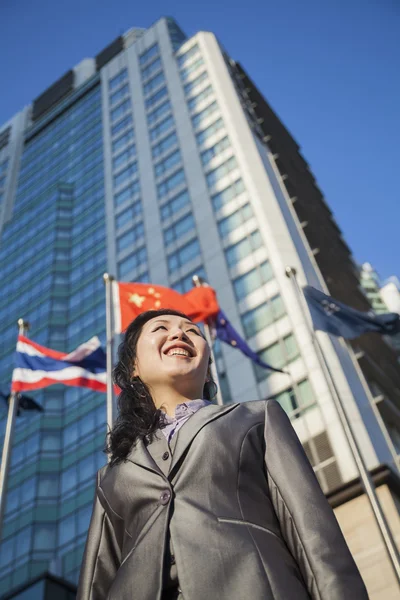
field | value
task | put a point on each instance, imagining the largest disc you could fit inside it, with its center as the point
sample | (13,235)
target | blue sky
(329,69)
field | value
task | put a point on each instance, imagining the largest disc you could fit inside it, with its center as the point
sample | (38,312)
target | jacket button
(165,497)
(165,456)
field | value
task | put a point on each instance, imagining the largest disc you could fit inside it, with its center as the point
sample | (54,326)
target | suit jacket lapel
(140,454)
(142,457)
(191,428)
(158,447)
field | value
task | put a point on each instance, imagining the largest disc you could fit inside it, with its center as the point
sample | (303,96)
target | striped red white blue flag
(38,367)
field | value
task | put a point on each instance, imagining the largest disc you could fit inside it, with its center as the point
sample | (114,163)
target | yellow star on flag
(137,300)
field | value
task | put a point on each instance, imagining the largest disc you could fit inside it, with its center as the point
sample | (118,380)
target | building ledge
(381,475)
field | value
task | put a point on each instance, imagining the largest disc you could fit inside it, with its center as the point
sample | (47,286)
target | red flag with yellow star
(132,299)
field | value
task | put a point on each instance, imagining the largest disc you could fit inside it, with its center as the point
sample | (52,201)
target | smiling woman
(152,384)
(201,501)
(172,361)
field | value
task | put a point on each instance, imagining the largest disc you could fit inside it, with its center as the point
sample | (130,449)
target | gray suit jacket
(247,517)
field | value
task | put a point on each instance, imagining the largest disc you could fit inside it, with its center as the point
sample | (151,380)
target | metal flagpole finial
(107,278)
(198,281)
(290,271)
(23,325)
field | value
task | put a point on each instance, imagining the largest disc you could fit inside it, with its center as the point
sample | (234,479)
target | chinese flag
(204,301)
(131,299)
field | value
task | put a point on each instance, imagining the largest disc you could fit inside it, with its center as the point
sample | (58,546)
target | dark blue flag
(24,402)
(339,319)
(226,333)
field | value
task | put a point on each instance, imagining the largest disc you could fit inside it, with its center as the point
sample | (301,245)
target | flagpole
(375,409)
(199,282)
(108,279)
(365,477)
(8,439)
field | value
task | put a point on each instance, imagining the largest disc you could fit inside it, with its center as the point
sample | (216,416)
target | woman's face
(172,351)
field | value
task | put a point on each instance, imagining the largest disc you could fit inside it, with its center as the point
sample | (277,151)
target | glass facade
(59,207)
(129,225)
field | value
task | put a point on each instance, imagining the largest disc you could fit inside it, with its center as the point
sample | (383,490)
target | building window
(219,147)
(206,112)
(119,160)
(203,135)
(196,100)
(305,393)
(127,193)
(143,278)
(122,141)
(125,174)
(174,205)
(287,400)
(6,552)
(130,237)
(188,54)
(227,194)
(183,255)
(153,83)
(118,80)
(165,144)
(170,161)
(161,128)
(119,94)
(277,355)
(226,167)
(189,87)
(234,220)
(159,112)
(3,167)
(148,55)
(169,184)
(186,283)
(132,262)
(240,250)
(179,229)
(224,388)
(155,98)
(252,280)
(121,125)
(120,110)
(129,214)
(263,315)
(294,401)
(191,68)
(66,530)
(151,68)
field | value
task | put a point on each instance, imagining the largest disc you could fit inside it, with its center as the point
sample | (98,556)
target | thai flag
(38,367)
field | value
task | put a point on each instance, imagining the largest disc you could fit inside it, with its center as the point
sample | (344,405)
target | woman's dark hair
(138,415)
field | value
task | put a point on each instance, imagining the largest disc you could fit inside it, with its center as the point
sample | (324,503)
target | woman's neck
(168,399)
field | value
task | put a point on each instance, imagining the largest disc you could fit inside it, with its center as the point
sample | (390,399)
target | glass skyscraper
(155,161)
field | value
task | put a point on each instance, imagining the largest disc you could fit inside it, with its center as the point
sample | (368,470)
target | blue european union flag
(339,319)
(226,333)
